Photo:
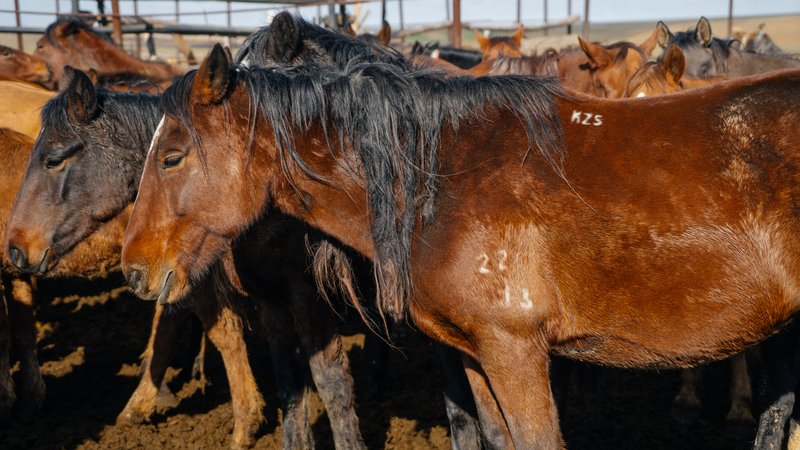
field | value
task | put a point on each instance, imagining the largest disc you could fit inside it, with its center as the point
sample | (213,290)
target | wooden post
(75,6)
(177,11)
(228,12)
(402,22)
(58,8)
(116,23)
(569,14)
(19,23)
(456,40)
(545,17)
(730,17)
(585,32)
(519,11)
(138,36)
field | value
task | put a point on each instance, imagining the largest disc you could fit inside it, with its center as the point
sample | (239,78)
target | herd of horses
(511,207)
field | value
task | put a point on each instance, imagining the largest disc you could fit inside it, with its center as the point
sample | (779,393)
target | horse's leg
(741,392)
(223,324)
(518,374)
(465,432)
(31,392)
(780,357)
(686,404)
(164,335)
(374,361)
(289,380)
(493,427)
(330,367)
(7,395)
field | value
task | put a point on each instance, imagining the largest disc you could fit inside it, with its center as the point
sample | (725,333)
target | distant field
(785,31)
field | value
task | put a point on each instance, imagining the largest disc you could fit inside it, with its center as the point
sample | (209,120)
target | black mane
(393,121)
(72,26)
(332,48)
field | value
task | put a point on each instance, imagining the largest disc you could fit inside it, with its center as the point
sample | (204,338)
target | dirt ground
(90,344)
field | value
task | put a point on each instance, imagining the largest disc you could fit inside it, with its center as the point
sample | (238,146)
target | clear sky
(417,12)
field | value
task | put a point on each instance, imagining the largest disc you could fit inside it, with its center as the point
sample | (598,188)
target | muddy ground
(89,349)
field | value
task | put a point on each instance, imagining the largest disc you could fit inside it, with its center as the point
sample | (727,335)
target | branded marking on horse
(502,256)
(586,118)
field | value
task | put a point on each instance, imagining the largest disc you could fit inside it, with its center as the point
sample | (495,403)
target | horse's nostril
(135,279)
(17,256)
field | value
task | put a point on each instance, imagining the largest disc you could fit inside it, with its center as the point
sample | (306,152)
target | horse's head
(18,65)
(68,41)
(705,55)
(659,77)
(493,47)
(611,66)
(197,190)
(82,172)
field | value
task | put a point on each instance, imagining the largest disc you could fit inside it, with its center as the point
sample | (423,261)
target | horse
(81,119)
(508,245)
(16,65)
(613,65)
(19,106)
(708,56)
(492,47)
(462,58)
(384,36)
(665,76)
(71,41)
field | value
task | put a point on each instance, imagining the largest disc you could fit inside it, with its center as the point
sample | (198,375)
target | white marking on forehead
(641,94)
(156,135)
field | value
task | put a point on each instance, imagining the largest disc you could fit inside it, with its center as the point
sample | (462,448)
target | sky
(419,12)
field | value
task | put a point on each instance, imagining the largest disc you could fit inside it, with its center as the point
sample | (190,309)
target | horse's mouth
(163,297)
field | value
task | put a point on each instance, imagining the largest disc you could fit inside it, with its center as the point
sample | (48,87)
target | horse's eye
(39,45)
(54,163)
(172,161)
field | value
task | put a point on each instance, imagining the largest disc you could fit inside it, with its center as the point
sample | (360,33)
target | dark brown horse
(708,56)
(71,41)
(74,123)
(16,65)
(552,233)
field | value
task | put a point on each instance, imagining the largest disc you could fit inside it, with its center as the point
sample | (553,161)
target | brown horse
(20,104)
(553,232)
(16,65)
(612,65)
(71,41)
(492,47)
(665,76)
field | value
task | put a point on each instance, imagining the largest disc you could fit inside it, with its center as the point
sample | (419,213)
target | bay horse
(508,245)
(494,46)
(707,55)
(71,41)
(16,65)
(87,130)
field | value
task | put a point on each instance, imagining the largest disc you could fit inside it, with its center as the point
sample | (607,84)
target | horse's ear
(92,74)
(483,41)
(213,76)
(596,53)
(663,34)
(71,27)
(385,35)
(650,43)
(518,35)
(284,43)
(81,96)
(703,31)
(674,65)
(348,30)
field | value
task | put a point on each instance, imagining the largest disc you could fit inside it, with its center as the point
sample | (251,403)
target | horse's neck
(337,206)
(747,63)
(112,60)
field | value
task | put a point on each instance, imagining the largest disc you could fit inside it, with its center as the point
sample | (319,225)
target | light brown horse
(492,47)
(665,76)
(71,41)
(20,104)
(612,65)
(16,65)
(562,230)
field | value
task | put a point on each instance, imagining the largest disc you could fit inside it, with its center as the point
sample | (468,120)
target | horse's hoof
(684,415)
(166,400)
(129,416)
